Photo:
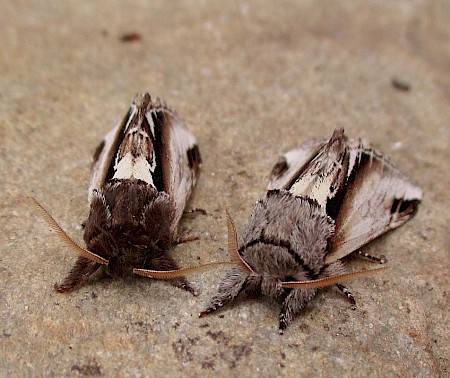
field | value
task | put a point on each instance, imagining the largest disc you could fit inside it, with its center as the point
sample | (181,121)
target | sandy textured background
(252,80)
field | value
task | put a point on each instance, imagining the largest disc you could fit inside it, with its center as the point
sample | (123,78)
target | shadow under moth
(142,176)
(325,200)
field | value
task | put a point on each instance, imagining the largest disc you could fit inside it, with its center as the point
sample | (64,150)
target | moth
(142,176)
(325,200)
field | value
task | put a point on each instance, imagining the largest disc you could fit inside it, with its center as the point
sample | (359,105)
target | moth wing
(292,163)
(378,198)
(172,155)
(181,160)
(103,157)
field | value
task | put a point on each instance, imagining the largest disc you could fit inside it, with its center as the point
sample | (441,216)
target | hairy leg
(78,275)
(186,239)
(348,294)
(293,304)
(232,285)
(380,260)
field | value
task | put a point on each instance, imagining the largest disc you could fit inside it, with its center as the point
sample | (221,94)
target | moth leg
(232,285)
(78,275)
(186,239)
(166,262)
(348,294)
(184,284)
(381,260)
(195,210)
(295,301)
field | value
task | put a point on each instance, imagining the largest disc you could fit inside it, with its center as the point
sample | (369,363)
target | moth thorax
(120,266)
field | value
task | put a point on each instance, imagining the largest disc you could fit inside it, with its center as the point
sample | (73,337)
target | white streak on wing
(134,168)
(184,140)
(151,166)
(143,171)
(412,193)
(133,112)
(301,187)
(321,191)
(123,168)
(116,161)
(139,130)
(318,190)
(151,123)
(354,153)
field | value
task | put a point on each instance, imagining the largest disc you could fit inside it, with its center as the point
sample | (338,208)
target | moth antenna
(233,245)
(66,238)
(322,282)
(169,274)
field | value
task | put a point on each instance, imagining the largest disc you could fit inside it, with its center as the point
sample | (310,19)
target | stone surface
(252,80)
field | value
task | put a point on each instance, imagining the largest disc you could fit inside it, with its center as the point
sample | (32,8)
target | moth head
(119,266)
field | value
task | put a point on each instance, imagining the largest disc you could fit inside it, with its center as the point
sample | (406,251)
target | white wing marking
(134,168)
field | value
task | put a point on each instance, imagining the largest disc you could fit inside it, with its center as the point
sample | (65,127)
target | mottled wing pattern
(378,198)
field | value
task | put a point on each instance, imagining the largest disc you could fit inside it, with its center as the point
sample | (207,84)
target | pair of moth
(325,200)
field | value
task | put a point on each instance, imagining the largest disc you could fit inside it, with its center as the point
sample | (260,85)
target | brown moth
(142,176)
(325,200)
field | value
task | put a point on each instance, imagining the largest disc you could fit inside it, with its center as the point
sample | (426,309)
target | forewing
(127,151)
(103,157)
(377,198)
(322,173)
(180,158)
(292,164)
